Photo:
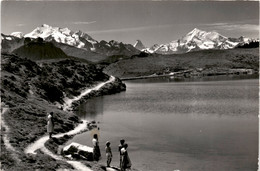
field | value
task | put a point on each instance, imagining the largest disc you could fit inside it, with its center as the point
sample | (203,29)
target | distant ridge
(63,35)
(198,40)
(78,44)
(81,45)
(39,50)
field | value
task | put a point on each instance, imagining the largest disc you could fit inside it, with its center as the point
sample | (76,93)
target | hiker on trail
(96,150)
(121,145)
(108,153)
(50,124)
(126,162)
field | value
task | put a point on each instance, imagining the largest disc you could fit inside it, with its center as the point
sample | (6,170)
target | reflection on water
(91,108)
(196,79)
(209,125)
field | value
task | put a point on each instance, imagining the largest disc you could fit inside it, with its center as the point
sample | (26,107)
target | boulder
(78,151)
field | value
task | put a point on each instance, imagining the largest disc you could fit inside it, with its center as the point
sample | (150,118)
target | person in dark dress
(121,145)
(96,149)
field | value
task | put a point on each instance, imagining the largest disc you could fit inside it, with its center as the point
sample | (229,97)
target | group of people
(125,162)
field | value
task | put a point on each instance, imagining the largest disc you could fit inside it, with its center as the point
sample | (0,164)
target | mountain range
(194,41)
(76,44)
(81,45)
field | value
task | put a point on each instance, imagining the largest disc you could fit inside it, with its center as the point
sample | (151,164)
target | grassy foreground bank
(31,90)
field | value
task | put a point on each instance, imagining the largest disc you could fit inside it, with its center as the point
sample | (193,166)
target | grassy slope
(80,53)
(31,91)
(235,58)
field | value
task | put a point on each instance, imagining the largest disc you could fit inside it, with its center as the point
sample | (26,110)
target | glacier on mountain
(17,34)
(63,35)
(192,41)
(197,40)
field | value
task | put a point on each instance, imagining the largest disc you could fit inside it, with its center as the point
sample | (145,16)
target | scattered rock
(78,151)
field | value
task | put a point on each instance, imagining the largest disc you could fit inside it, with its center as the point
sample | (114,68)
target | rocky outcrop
(78,151)
(139,45)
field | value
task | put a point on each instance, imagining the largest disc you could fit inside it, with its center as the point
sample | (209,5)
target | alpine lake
(208,123)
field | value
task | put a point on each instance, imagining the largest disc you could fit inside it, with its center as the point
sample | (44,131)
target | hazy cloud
(20,25)
(129,29)
(83,22)
(234,26)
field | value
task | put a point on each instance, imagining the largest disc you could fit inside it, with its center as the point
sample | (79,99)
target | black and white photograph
(122,85)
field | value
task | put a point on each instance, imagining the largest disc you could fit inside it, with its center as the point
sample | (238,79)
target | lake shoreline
(211,119)
(176,76)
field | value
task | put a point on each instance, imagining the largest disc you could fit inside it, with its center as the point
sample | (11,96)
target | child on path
(108,153)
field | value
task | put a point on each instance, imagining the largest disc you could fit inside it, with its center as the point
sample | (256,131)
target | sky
(152,22)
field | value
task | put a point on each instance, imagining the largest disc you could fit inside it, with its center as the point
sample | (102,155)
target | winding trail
(68,102)
(39,144)
(7,143)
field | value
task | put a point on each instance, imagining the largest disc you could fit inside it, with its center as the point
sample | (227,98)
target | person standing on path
(108,153)
(96,149)
(121,145)
(126,162)
(50,124)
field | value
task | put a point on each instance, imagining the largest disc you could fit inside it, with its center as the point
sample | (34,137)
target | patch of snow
(8,38)
(17,34)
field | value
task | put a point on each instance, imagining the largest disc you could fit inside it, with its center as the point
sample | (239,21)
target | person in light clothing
(108,153)
(126,162)
(50,124)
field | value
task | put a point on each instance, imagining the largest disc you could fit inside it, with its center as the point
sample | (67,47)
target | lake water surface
(187,125)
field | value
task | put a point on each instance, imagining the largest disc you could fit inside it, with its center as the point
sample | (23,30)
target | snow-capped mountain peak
(63,35)
(194,33)
(139,45)
(196,40)
(17,34)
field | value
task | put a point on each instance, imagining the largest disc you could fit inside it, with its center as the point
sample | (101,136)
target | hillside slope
(10,43)
(38,50)
(32,90)
(210,59)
